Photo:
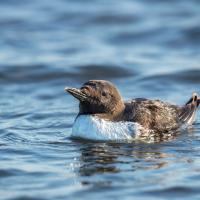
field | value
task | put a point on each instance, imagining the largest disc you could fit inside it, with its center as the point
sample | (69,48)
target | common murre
(103,115)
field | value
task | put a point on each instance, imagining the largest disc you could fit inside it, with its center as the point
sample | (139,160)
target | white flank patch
(90,127)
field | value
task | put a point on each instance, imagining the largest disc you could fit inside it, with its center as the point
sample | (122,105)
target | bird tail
(188,111)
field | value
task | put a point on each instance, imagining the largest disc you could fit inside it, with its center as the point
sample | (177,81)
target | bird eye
(103,94)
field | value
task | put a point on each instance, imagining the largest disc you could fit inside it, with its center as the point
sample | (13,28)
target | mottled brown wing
(156,115)
(188,111)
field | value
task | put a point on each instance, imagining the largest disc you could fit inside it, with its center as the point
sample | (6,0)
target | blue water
(147,48)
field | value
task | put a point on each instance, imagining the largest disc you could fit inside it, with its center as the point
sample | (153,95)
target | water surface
(148,49)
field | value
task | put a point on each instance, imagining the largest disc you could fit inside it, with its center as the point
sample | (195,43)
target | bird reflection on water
(102,164)
(100,158)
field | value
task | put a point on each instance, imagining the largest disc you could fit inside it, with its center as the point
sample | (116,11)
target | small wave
(26,197)
(192,35)
(186,76)
(111,19)
(103,72)
(174,191)
(43,73)
(11,172)
(130,37)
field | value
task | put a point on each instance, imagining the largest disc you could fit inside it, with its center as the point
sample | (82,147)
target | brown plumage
(102,99)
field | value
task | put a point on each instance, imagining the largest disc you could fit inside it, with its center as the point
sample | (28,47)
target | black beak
(77,93)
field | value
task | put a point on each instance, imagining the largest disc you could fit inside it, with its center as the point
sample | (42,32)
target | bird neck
(115,115)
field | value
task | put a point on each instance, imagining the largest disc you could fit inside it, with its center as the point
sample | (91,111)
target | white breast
(90,127)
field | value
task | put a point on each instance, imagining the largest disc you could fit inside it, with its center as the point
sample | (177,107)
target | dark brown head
(98,97)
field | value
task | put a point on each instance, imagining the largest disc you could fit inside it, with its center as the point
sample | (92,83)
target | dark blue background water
(147,48)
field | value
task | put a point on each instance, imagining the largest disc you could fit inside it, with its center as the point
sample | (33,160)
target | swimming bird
(103,115)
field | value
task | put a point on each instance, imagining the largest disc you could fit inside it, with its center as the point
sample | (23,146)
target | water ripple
(42,73)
